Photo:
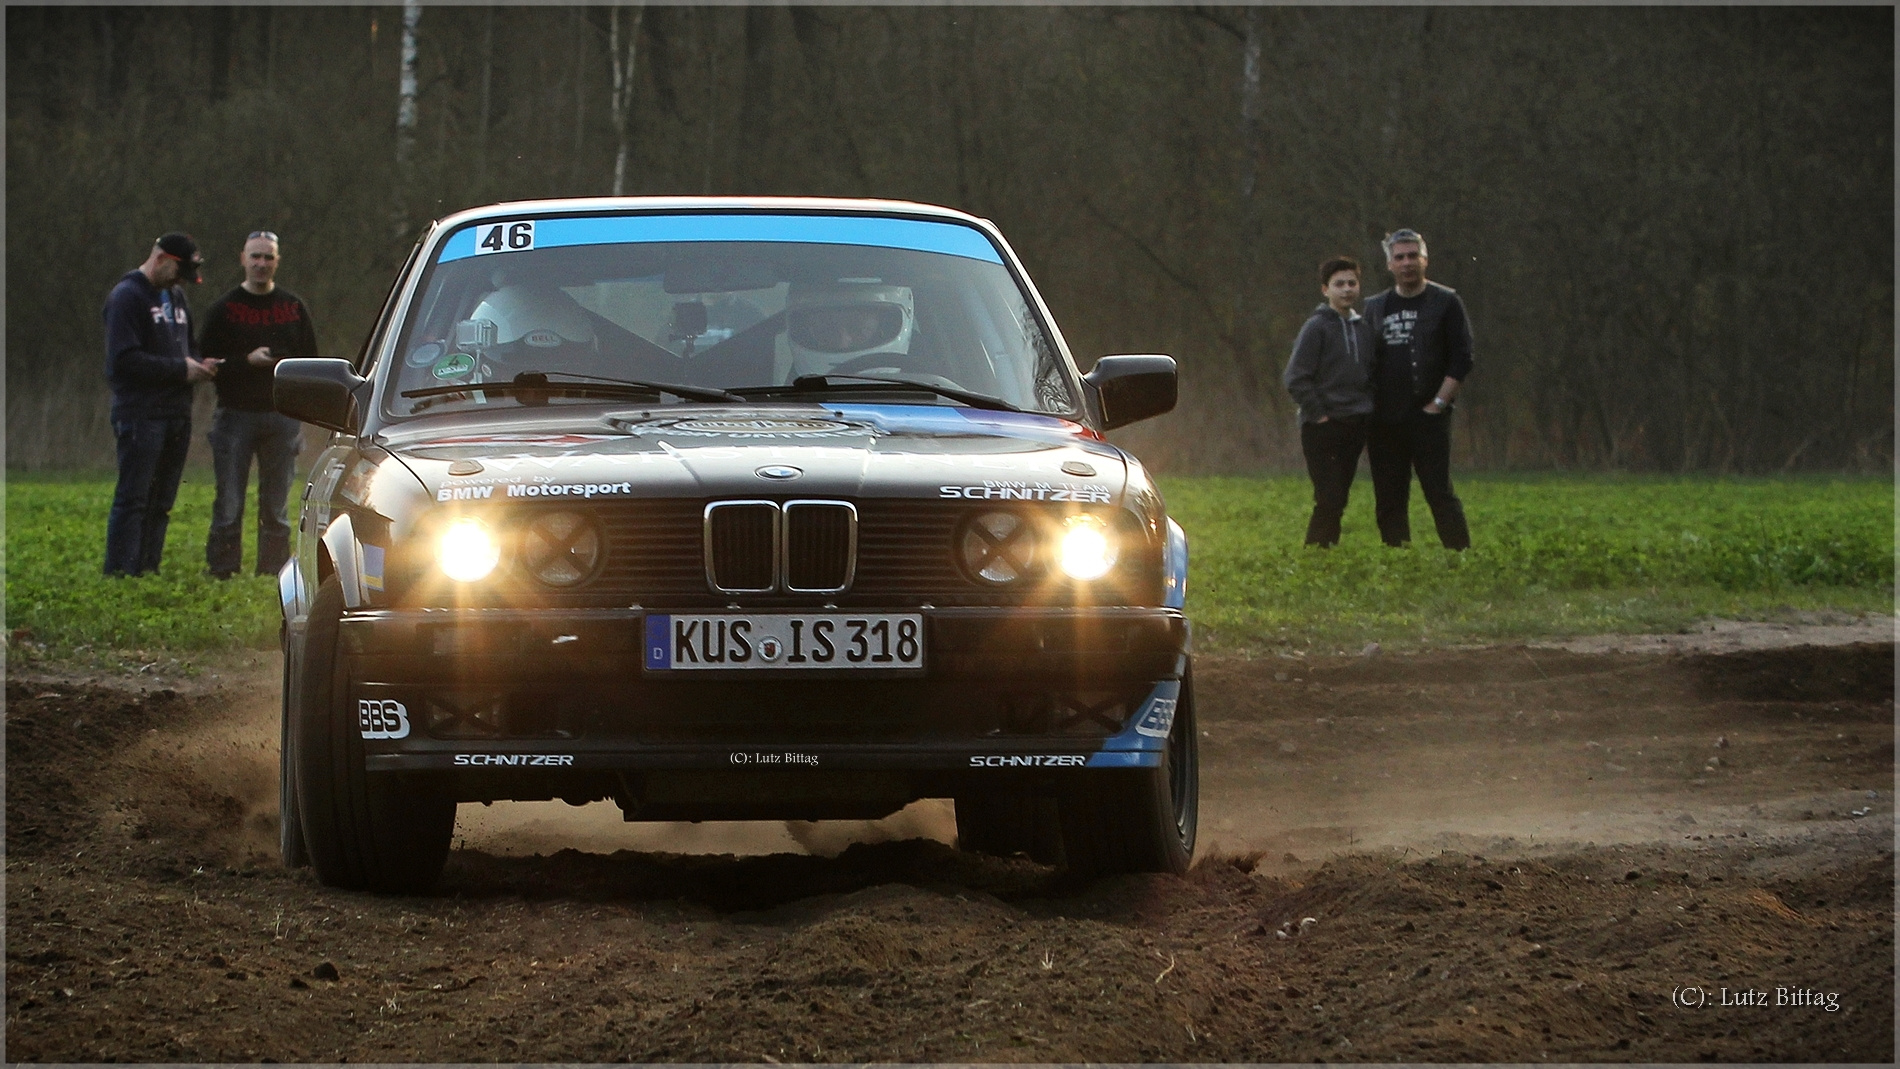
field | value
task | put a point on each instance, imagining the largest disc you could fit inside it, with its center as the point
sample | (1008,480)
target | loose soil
(1504,854)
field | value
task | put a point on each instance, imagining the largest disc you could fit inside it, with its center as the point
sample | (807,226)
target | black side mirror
(319,391)
(1133,388)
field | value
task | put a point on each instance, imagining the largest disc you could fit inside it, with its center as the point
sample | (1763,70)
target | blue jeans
(151,462)
(236,436)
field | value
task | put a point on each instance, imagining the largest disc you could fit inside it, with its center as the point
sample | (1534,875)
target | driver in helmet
(845,327)
(537,328)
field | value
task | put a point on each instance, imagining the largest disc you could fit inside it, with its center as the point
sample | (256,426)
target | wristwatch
(1441,402)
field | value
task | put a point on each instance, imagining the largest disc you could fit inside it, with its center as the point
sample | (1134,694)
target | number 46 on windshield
(506,237)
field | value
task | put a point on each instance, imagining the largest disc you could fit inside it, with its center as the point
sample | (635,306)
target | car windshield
(723,302)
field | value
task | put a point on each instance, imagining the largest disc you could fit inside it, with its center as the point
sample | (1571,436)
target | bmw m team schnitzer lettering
(730,509)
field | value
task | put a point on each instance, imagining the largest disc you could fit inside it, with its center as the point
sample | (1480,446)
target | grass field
(1552,555)
(56,536)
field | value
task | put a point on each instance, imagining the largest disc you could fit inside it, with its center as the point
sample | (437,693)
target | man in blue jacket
(151,363)
(1422,357)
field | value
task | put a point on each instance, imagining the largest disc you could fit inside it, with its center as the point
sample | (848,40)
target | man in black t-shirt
(251,328)
(1421,357)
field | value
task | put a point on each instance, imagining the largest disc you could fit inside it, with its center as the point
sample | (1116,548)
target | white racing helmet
(536,327)
(829,324)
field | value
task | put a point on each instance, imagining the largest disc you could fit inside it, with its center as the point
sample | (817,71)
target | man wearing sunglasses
(151,364)
(251,328)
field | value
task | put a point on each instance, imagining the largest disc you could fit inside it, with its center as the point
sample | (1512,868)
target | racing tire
(1008,823)
(386,832)
(1139,820)
(290,845)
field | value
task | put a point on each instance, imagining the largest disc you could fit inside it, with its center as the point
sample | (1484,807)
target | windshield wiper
(580,386)
(860,383)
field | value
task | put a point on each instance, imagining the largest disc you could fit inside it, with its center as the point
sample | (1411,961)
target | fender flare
(339,540)
(1175,567)
(291,595)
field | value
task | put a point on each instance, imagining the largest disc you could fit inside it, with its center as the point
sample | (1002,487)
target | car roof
(823,205)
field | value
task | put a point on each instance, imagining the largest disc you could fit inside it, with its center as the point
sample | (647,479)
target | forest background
(1673,226)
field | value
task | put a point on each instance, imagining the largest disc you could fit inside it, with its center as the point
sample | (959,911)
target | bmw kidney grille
(803,547)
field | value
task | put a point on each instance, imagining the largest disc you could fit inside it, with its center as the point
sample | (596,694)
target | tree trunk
(1253,161)
(580,96)
(1251,125)
(406,117)
(222,27)
(488,78)
(759,170)
(623,46)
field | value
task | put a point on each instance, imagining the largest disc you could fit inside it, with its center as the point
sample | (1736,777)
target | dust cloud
(522,829)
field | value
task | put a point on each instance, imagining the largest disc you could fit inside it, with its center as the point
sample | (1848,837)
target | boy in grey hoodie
(1330,375)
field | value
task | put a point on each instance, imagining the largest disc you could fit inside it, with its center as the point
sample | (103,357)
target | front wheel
(386,832)
(1140,820)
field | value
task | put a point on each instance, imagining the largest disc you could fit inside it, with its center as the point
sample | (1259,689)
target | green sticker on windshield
(453,366)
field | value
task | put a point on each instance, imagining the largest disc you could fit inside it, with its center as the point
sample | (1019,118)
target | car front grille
(821,545)
(742,546)
(877,552)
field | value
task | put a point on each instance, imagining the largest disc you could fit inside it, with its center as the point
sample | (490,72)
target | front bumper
(527,696)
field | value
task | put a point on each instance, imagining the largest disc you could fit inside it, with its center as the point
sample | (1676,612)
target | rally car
(730,509)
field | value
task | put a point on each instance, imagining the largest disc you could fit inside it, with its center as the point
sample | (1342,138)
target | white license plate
(822,640)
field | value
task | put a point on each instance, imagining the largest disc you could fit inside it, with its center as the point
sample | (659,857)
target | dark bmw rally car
(730,510)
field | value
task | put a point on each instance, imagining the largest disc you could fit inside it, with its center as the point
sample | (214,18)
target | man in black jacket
(1422,357)
(252,328)
(151,364)
(1330,375)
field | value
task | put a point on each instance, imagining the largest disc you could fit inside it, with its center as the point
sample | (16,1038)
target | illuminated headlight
(998,547)
(560,548)
(1086,548)
(467,551)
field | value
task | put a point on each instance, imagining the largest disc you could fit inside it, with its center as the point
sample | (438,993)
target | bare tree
(623,43)
(406,117)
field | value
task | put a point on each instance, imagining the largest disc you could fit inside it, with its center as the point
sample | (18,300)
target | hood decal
(748,428)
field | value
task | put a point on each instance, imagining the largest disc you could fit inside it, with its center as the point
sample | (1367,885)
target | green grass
(55,548)
(1552,555)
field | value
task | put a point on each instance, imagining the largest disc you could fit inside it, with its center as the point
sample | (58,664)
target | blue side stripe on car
(1125,759)
(1133,747)
(919,235)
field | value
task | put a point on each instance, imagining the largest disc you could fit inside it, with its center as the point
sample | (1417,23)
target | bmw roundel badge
(778,471)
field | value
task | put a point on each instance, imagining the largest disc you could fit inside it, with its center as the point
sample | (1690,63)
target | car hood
(847,451)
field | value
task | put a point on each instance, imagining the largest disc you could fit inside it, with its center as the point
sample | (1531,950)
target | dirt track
(1508,854)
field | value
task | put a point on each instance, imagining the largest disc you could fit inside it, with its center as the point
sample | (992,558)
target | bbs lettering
(382,718)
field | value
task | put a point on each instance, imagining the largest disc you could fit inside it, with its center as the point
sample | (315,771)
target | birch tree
(623,41)
(406,116)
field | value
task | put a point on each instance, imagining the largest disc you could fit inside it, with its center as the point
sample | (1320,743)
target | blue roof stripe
(920,235)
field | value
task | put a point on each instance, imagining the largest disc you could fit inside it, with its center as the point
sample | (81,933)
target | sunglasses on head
(265,234)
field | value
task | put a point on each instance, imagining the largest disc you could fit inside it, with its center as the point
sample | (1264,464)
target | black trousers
(1332,459)
(1420,443)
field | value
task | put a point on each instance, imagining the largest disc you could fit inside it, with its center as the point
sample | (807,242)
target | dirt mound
(1859,672)
(1507,854)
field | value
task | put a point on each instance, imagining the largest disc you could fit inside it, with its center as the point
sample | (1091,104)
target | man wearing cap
(1422,355)
(151,364)
(251,328)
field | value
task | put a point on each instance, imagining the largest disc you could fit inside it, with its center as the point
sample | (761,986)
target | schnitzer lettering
(1087,495)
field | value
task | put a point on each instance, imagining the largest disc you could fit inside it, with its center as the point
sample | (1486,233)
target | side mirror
(1133,388)
(319,391)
